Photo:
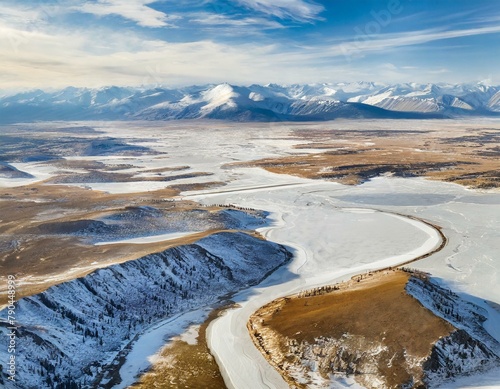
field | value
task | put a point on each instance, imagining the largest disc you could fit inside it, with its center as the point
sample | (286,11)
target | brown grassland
(468,157)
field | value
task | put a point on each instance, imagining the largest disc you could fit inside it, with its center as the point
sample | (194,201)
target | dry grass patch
(342,326)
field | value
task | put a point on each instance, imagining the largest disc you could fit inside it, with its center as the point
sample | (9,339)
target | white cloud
(299,10)
(135,10)
(439,71)
(220,20)
(389,66)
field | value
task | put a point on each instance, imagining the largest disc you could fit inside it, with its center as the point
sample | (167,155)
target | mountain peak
(219,93)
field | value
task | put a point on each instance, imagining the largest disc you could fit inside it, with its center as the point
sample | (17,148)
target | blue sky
(52,44)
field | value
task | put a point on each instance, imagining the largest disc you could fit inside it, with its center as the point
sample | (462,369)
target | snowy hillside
(269,102)
(137,222)
(470,349)
(73,332)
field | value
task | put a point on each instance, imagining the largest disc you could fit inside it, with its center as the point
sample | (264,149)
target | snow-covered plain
(150,239)
(336,231)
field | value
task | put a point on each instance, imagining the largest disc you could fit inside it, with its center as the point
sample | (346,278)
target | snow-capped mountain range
(269,102)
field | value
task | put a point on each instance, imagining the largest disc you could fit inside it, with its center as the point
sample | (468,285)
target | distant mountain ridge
(271,102)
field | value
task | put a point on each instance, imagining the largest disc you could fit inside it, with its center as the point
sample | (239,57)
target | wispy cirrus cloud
(18,15)
(29,17)
(383,42)
(299,10)
(134,10)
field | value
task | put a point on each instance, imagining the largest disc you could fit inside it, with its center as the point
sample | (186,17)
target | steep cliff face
(67,334)
(452,356)
(468,350)
(455,355)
